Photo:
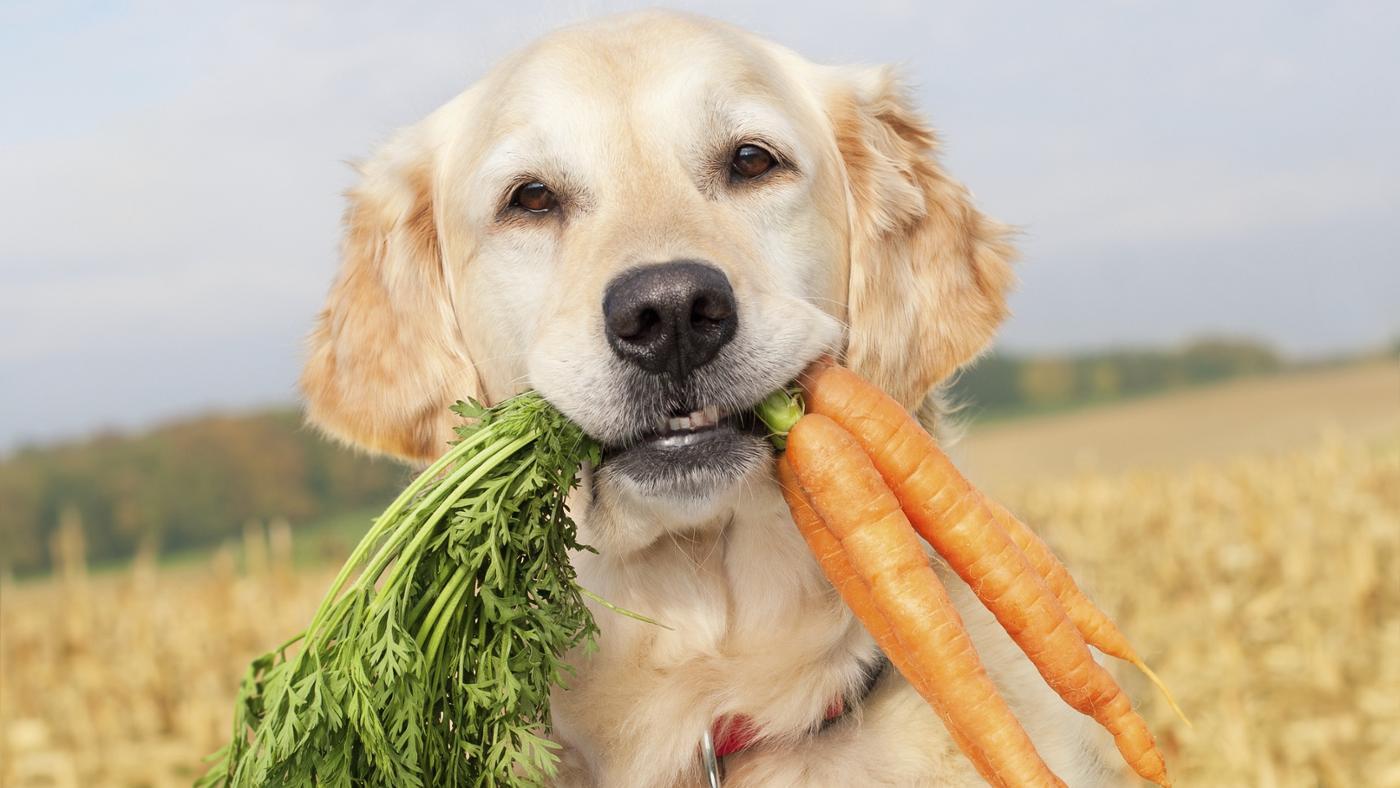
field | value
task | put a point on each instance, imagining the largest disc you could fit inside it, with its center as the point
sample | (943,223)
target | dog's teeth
(704,418)
(707,416)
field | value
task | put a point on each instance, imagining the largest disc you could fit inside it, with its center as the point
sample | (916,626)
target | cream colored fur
(865,247)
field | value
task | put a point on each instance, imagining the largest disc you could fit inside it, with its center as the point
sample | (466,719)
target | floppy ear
(386,357)
(929,273)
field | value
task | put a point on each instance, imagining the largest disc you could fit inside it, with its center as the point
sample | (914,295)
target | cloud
(171,193)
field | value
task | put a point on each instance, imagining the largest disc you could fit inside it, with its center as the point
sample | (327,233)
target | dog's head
(655,221)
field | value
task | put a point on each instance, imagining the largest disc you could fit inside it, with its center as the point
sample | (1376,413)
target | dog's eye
(751,161)
(534,197)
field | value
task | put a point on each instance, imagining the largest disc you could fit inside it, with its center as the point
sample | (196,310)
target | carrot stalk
(955,519)
(848,493)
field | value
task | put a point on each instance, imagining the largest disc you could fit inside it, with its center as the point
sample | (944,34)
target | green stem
(779,411)
(485,467)
(622,610)
(425,627)
(430,595)
(383,521)
(464,477)
(288,644)
(411,524)
(445,618)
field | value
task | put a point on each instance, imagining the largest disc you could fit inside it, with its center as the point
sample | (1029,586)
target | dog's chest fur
(755,629)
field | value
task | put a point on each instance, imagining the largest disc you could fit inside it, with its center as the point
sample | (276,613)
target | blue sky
(172,172)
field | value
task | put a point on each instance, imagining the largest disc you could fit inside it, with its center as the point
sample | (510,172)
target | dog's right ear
(386,357)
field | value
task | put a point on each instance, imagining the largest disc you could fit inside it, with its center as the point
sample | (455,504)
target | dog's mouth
(691,451)
(690,428)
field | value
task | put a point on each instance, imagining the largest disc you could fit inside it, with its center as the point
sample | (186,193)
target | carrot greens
(431,658)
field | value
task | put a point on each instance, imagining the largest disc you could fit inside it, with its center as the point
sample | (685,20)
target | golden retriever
(655,220)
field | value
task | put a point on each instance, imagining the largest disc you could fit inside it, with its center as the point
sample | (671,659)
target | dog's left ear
(929,273)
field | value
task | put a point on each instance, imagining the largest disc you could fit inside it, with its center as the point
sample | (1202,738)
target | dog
(655,220)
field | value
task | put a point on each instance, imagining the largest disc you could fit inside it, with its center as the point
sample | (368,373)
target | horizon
(1292,363)
(172,220)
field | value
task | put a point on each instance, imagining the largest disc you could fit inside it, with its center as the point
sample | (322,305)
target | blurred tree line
(186,484)
(196,482)
(1008,384)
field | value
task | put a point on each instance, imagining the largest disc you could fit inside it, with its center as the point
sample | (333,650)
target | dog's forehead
(653,79)
(646,52)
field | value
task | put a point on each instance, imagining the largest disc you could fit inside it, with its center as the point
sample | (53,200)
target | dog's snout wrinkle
(670,318)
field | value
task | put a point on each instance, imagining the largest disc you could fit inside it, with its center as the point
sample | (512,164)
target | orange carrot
(1097,628)
(856,593)
(847,492)
(953,517)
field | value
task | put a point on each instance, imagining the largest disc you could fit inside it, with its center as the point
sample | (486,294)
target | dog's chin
(693,459)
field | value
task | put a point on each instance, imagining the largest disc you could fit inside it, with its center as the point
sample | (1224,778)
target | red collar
(735,732)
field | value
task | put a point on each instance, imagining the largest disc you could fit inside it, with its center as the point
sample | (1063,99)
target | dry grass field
(1253,555)
(1179,428)
(127,678)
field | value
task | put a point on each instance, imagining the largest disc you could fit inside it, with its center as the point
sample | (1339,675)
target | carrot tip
(1162,688)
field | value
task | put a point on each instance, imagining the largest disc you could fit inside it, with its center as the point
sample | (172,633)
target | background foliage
(183,485)
(195,483)
(1007,384)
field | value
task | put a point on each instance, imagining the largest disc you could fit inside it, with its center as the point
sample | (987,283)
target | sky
(171,173)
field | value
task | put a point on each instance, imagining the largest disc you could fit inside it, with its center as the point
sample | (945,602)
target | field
(1247,537)
(1176,430)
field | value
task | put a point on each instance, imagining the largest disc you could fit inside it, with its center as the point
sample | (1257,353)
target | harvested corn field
(1265,589)
(1266,592)
(127,678)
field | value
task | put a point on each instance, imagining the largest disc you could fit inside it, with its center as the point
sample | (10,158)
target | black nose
(669,317)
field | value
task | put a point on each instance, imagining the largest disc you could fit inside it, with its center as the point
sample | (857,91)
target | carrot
(1093,624)
(953,517)
(856,593)
(847,492)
